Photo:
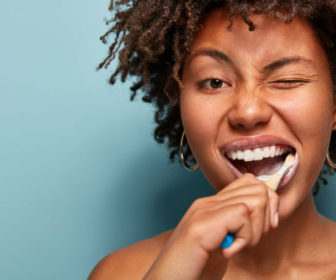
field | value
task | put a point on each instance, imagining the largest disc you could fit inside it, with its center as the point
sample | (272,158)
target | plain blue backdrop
(80,172)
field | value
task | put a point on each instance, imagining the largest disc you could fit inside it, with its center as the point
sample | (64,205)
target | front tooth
(258,154)
(240,155)
(248,155)
(267,152)
(272,151)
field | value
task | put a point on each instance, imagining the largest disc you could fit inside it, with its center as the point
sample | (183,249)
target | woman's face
(269,89)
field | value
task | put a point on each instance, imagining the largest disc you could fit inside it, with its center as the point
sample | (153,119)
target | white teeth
(258,153)
(240,154)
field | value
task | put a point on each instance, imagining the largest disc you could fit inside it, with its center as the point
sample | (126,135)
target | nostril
(261,123)
(240,125)
(248,125)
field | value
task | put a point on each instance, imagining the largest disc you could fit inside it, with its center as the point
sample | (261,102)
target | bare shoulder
(131,262)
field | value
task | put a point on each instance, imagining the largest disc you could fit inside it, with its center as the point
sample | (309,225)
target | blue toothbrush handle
(228,240)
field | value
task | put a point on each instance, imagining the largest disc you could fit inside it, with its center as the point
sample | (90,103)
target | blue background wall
(80,173)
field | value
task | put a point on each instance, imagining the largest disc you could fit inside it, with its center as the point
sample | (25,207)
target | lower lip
(285,179)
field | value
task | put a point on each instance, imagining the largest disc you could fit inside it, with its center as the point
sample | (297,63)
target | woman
(245,83)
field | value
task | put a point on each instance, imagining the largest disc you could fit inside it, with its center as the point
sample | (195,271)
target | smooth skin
(279,235)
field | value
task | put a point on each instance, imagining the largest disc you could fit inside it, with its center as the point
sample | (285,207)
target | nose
(249,110)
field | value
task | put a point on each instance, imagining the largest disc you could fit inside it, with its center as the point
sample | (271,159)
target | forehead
(270,39)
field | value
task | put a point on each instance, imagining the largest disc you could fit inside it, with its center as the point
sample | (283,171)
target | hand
(246,207)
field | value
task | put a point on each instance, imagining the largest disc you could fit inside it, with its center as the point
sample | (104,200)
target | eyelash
(202,84)
(282,84)
(288,84)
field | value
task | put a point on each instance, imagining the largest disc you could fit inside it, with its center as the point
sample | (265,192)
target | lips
(261,156)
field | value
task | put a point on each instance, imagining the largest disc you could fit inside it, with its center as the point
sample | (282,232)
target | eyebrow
(212,53)
(274,65)
(285,61)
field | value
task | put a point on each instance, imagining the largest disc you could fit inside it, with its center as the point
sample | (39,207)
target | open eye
(213,84)
(288,84)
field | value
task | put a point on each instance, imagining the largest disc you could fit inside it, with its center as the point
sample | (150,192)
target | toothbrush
(273,183)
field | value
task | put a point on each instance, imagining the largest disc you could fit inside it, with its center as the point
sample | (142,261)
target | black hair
(153,37)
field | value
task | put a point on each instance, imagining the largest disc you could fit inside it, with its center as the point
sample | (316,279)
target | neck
(287,244)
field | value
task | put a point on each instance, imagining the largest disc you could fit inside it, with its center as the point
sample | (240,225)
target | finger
(274,203)
(252,185)
(262,189)
(256,197)
(207,228)
(268,218)
(252,188)
(198,204)
(258,208)
(258,211)
(244,180)
(242,226)
(258,189)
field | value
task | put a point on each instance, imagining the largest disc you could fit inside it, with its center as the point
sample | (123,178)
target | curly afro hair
(153,37)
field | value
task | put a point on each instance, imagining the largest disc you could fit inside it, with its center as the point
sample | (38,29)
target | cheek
(311,116)
(201,119)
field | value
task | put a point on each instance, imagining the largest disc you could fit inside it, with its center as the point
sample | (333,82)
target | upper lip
(254,142)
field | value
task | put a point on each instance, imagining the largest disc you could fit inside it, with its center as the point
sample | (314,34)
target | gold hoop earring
(189,168)
(330,162)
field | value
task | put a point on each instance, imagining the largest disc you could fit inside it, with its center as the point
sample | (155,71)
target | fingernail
(276,219)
